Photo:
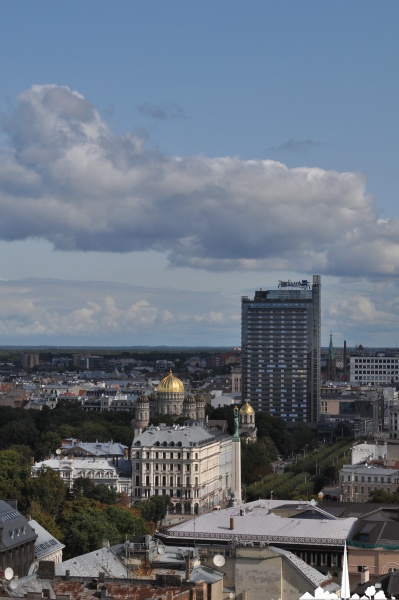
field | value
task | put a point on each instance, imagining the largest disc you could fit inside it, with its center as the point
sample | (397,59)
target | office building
(374,370)
(280,332)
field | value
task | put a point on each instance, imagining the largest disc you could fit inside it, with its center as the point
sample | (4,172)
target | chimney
(344,373)
(188,567)
(364,575)
(169,595)
(231,523)
(201,590)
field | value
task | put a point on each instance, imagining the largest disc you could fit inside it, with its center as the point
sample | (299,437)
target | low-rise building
(302,528)
(98,470)
(357,481)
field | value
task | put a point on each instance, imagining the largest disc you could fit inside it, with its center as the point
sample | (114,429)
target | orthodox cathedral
(168,399)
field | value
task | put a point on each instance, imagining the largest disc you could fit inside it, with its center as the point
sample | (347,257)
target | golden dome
(171,384)
(247,409)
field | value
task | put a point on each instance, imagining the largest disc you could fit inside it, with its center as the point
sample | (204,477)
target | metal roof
(176,435)
(45,543)
(259,524)
(91,564)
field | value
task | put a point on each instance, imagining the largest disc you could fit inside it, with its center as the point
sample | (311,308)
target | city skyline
(161,160)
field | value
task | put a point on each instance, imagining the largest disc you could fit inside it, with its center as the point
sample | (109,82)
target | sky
(161,159)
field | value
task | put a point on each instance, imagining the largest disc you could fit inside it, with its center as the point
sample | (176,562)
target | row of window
(163,467)
(375,478)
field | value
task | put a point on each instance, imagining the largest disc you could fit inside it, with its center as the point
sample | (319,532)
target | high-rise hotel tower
(280,339)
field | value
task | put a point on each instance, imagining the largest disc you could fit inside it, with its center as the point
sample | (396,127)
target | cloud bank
(67,178)
(100,313)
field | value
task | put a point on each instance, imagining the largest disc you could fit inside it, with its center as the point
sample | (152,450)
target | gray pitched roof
(261,525)
(45,543)
(176,435)
(15,528)
(91,564)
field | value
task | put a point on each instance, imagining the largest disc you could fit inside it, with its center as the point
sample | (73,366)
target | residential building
(280,331)
(191,464)
(373,546)
(29,360)
(115,474)
(357,481)
(17,541)
(111,449)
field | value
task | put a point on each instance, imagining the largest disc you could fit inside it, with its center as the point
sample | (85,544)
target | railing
(252,537)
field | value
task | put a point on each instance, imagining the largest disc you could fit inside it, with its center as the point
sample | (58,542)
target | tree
(85,529)
(127,521)
(15,478)
(46,520)
(86,523)
(381,496)
(48,444)
(256,459)
(48,490)
(154,509)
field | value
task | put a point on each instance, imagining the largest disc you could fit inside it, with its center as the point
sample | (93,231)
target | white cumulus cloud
(67,178)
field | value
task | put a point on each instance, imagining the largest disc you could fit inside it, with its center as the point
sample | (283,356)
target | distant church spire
(331,369)
(331,349)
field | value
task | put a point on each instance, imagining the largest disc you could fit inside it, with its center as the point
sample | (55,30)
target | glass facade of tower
(280,339)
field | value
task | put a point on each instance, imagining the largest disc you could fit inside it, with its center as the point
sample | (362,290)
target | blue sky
(160,159)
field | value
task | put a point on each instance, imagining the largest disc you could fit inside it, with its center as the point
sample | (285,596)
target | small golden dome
(246,409)
(171,384)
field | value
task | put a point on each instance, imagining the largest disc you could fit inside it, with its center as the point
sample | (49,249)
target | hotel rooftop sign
(304,284)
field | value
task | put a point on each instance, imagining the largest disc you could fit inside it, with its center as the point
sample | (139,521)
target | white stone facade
(190,464)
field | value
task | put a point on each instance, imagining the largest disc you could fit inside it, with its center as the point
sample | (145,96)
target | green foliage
(15,478)
(153,509)
(224,413)
(86,523)
(48,490)
(85,526)
(384,497)
(256,459)
(48,444)
(127,521)
(47,521)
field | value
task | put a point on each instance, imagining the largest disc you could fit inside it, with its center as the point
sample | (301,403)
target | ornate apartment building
(191,464)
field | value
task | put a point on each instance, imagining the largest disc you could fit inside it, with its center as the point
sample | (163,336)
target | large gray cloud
(67,178)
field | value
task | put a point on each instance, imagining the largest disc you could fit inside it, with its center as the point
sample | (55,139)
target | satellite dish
(9,573)
(58,451)
(219,560)
(13,584)
(161,550)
